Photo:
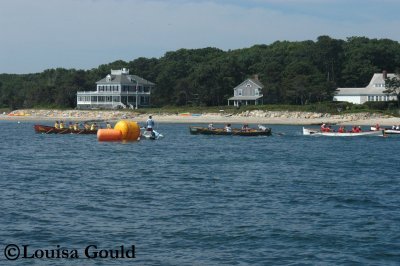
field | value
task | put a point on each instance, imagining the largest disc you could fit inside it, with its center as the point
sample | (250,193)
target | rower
(57,125)
(262,128)
(108,125)
(76,126)
(86,126)
(228,128)
(71,126)
(245,127)
(62,126)
(93,126)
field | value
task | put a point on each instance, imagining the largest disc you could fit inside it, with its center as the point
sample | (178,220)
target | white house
(247,92)
(117,90)
(372,93)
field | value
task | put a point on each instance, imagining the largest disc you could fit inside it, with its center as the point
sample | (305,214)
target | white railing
(111,92)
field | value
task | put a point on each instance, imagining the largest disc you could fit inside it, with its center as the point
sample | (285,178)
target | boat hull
(52,130)
(152,136)
(222,132)
(314,132)
(388,130)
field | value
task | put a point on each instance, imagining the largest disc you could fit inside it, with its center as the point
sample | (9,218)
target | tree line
(292,72)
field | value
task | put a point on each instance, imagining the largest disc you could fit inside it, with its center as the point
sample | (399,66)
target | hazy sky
(82,34)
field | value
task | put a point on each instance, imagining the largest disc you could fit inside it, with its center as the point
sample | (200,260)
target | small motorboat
(387,130)
(152,135)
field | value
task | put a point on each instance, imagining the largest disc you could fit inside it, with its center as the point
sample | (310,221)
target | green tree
(393,87)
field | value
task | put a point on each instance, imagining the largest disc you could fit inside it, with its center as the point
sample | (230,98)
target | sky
(82,34)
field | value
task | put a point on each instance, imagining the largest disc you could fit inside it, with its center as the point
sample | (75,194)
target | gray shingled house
(117,90)
(249,92)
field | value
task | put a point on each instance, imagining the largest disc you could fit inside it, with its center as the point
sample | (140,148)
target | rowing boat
(234,132)
(315,132)
(52,130)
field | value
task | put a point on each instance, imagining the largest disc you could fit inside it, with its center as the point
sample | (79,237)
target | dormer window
(248,85)
(108,78)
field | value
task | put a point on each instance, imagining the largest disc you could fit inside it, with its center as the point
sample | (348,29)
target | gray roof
(244,98)
(125,79)
(369,90)
(254,81)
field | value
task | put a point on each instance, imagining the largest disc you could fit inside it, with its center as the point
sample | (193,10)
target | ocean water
(188,199)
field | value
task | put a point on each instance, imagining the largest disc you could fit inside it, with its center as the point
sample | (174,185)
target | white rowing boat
(314,132)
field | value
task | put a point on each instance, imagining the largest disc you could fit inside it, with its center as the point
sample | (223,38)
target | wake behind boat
(315,132)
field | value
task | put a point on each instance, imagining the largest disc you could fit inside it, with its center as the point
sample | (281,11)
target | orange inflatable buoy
(129,130)
(109,135)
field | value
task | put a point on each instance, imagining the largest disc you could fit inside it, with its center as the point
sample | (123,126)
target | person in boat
(108,125)
(211,126)
(262,128)
(228,128)
(325,128)
(150,124)
(245,127)
(355,130)
(93,126)
(359,129)
(342,129)
(86,126)
(76,126)
(56,125)
(398,127)
(70,126)
(62,125)
(377,127)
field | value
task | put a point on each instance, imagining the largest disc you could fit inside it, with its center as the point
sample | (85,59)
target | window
(256,92)
(240,91)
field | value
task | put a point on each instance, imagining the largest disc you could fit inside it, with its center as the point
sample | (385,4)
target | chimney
(384,73)
(255,76)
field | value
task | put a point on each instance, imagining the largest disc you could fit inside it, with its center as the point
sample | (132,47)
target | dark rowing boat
(52,130)
(234,132)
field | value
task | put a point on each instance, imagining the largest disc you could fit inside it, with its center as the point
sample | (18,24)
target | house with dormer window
(249,92)
(373,92)
(117,90)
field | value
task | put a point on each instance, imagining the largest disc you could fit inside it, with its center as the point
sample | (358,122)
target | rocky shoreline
(256,116)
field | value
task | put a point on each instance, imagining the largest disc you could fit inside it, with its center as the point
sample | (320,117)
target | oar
(80,131)
(65,130)
(50,130)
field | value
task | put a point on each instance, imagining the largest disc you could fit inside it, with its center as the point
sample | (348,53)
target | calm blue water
(202,200)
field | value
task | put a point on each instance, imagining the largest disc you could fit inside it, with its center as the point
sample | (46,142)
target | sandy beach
(250,117)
